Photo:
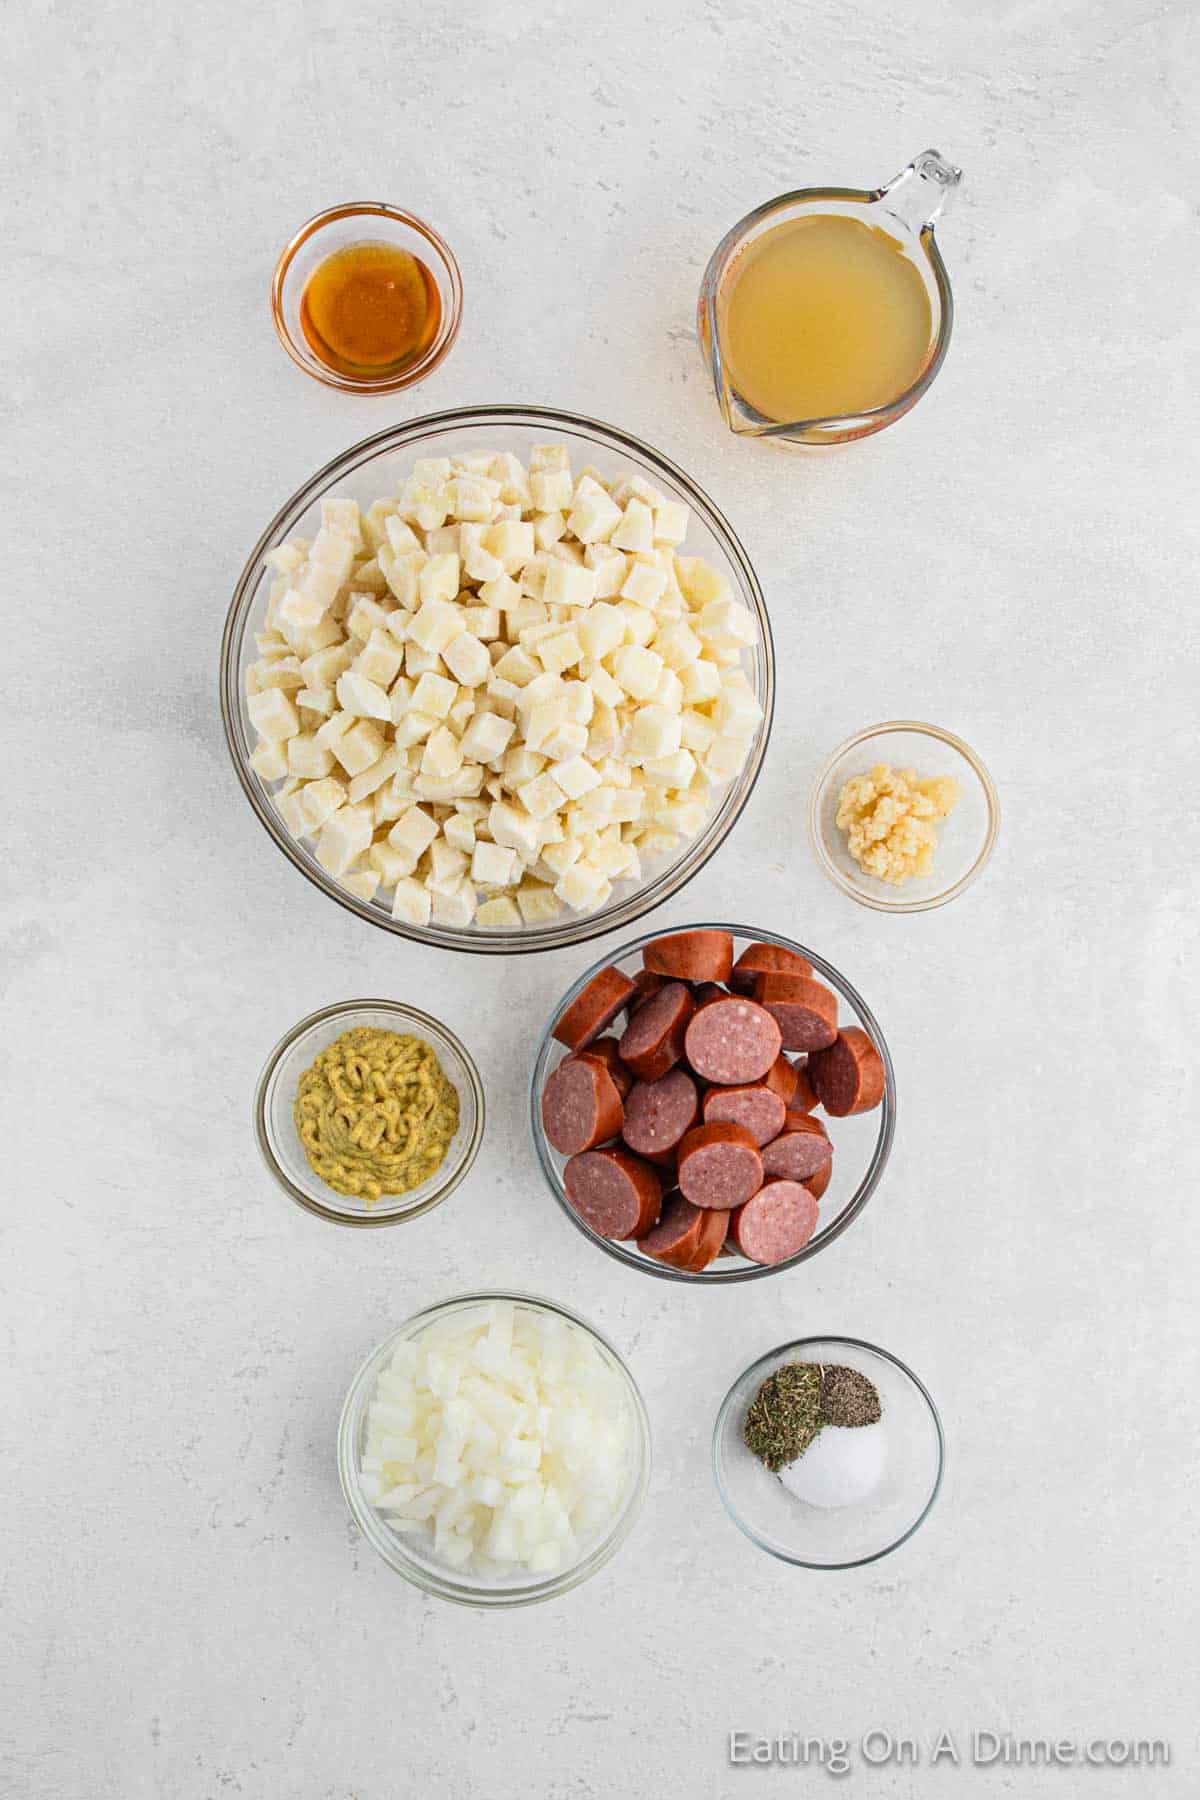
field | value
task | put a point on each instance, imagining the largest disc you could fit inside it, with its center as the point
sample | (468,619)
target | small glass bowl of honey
(825,314)
(366,298)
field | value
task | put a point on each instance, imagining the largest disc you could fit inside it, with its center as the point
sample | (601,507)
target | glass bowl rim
(877,416)
(847,1343)
(412,1016)
(879,902)
(714,1275)
(582,927)
(448,327)
(447,1587)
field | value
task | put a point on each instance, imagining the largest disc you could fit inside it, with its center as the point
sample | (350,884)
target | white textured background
(186,1610)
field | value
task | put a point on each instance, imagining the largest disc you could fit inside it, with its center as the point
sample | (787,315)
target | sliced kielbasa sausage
(765,959)
(719,1165)
(732,1041)
(758,1108)
(691,955)
(686,1236)
(783,1078)
(775,1223)
(605,1049)
(816,1184)
(653,1040)
(645,985)
(581,1105)
(848,1077)
(801,1150)
(615,1193)
(805,1096)
(805,1011)
(594,1009)
(659,1113)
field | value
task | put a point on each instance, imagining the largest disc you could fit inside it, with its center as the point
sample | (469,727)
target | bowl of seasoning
(366,298)
(369,1112)
(828,1453)
(494,1450)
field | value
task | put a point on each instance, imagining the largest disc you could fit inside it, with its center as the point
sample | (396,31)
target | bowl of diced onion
(498,679)
(494,1450)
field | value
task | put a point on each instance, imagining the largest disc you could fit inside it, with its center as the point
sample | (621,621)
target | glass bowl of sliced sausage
(713,1103)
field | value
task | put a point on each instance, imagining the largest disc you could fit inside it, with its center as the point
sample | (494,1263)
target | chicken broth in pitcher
(821,317)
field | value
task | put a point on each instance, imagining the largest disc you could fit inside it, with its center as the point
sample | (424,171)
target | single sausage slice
(783,1078)
(719,1165)
(685,1234)
(707,991)
(691,955)
(775,1222)
(605,1049)
(653,1040)
(848,1077)
(581,1106)
(732,1041)
(645,985)
(805,1011)
(765,959)
(816,1184)
(801,1150)
(758,1108)
(659,1113)
(805,1096)
(618,1195)
(594,1009)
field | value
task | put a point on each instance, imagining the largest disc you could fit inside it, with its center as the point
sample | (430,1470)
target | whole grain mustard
(375,1113)
(890,818)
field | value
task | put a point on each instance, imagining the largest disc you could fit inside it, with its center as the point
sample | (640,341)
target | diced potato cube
(517,666)
(640,625)
(725,617)
(486,737)
(380,658)
(365,616)
(270,760)
(671,520)
(736,713)
(504,594)
(493,865)
(413,831)
(610,566)
(583,888)
(499,914)
(548,527)
(637,669)
(559,857)
(548,456)
(594,516)
(344,836)
(319,800)
(443,756)
(543,721)
(467,660)
(606,690)
(511,541)
(568,584)
(333,552)
(438,621)
(521,765)
(434,694)
(699,580)
(319,701)
(601,630)
(392,864)
(697,732)
(447,866)
(459,833)
(411,902)
(308,758)
(482,622)
(421,662)
(635,531)
(644,584)
(472,497)
(335,728)
(701,682)
(403,577)
(323,667)
(319,584)
(298,611)
(360,747)
(364,699)
(560,651)
(581,702)
(566,740)
(541,796)
(513,827)
(678,645)
(402,539)
(537,904)
(362,883)
(272,715)
(551,489)
(288,805)
(413,728)
(655,732)
(430,471)
(674,770)
(508,472)
(575,776)
(456,910)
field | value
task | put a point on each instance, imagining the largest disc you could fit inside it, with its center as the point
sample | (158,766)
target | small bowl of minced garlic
(903,816)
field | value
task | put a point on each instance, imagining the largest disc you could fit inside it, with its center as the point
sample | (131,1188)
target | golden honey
(369,309)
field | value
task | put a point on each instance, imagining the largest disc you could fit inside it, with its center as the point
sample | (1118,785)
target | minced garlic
(890,818)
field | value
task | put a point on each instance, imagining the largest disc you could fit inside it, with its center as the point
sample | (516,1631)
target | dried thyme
(785,1415)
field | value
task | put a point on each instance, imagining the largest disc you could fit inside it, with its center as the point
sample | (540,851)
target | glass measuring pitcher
(907,276)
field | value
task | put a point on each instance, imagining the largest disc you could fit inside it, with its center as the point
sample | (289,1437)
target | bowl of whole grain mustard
(369,1112)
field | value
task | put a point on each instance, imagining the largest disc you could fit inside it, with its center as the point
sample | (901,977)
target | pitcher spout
(918,194)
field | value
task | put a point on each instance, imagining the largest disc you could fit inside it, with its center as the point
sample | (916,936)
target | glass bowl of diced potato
(498,679)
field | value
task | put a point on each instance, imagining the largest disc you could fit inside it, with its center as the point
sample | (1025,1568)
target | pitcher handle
(918,194)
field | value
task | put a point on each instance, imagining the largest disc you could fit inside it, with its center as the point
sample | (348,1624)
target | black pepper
(848,1398)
